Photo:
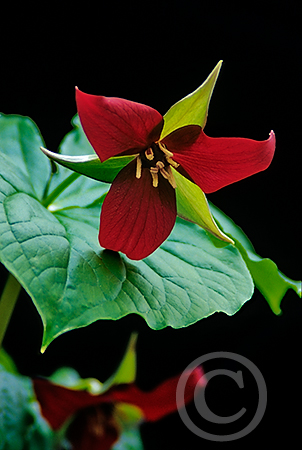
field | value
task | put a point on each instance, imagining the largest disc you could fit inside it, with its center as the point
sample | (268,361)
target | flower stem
(7,303)
(59,189)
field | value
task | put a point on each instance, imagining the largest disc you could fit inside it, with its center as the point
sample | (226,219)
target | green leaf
(55,255)
(182,282)
(7,362)
(129,440)
(74,191)
(193,109)
(57,259)
(272,283)
(75,142)
(21,425)
(19,140)
(192,205)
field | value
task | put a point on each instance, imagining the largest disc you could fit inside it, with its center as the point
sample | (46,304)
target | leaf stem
(57,191)
(8,301)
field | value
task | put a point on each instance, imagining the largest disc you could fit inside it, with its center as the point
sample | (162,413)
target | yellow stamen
(138,167)
(168,174)
(154,178)
(172,162)
(165,150)
(149,154)
(164,173)
(160,164)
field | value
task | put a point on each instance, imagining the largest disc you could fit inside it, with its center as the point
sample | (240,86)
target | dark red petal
(114,126)
(213,163)
(59,403)
(136,217)
(93,429)
(161,401)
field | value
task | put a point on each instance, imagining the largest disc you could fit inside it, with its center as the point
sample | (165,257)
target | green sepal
(76,153)
(90,165)
(192,205)
(125,374)
(192,109)
(70,378)
(126,371)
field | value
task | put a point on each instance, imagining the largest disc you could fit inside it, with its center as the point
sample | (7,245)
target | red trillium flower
(93,420)
(139,211)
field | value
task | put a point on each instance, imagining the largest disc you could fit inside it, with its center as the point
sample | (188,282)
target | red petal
(114,126)
(161,401)
(213,163)
(59,403)
(136,217)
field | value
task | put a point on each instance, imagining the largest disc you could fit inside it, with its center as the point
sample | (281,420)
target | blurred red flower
(93,420)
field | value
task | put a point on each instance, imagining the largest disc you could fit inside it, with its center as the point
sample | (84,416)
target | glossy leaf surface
(17,135)
(54,253)
(50,245)
(21,425)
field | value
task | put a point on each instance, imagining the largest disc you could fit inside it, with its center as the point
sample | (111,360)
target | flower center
(94,422)
(158,159)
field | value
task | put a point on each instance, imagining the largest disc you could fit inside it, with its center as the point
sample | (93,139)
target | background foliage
(157,55)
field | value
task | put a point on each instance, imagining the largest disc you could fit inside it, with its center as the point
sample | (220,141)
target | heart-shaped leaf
(57,259)
(50,245)
(177,285)
(54,253)
(17,135)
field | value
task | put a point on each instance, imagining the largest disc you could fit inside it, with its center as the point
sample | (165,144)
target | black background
(156,53)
